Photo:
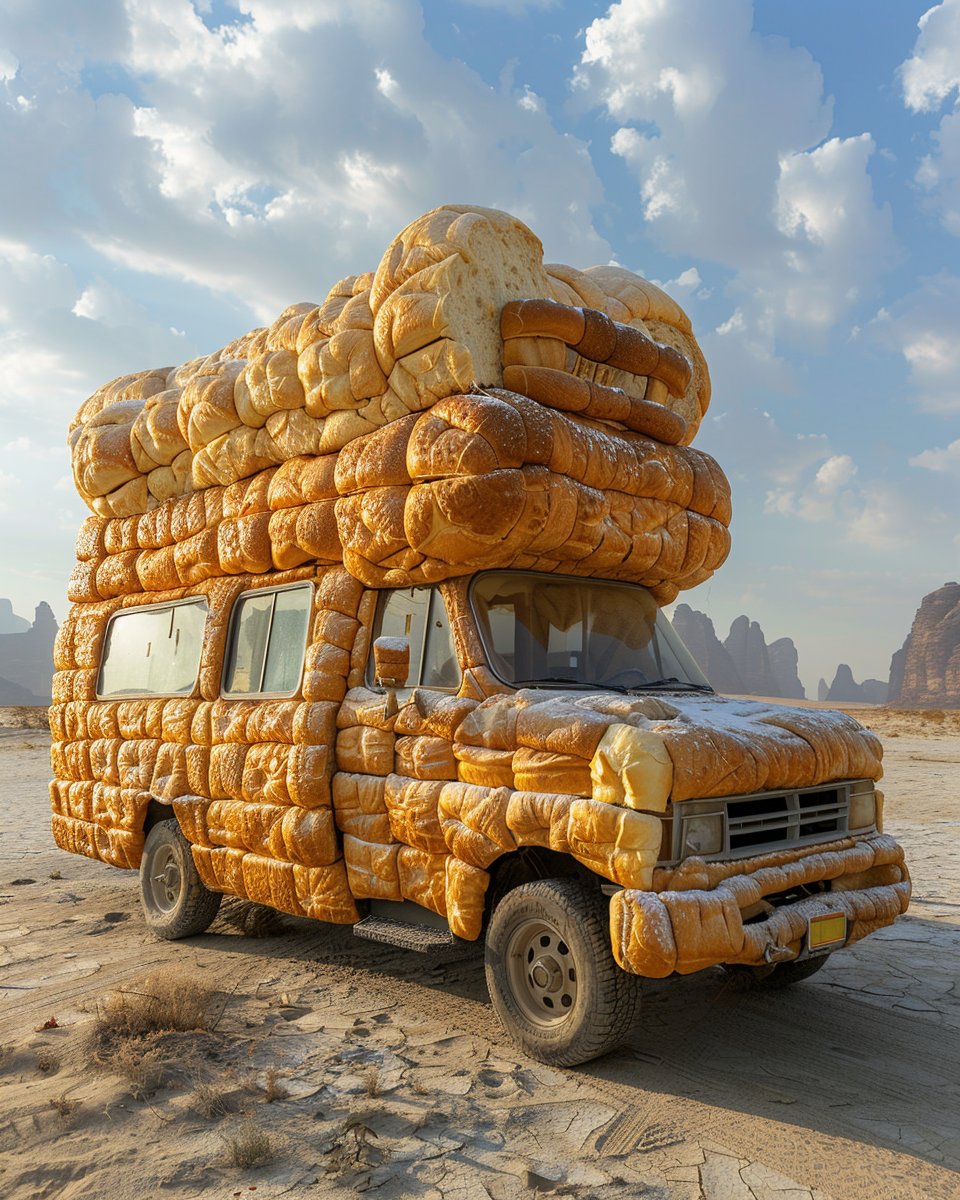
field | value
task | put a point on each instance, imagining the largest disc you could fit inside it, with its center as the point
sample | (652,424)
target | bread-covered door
(395,754)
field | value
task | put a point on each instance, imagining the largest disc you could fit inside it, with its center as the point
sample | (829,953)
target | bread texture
(425,325)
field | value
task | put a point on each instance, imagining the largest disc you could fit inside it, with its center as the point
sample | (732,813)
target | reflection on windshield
(587,632)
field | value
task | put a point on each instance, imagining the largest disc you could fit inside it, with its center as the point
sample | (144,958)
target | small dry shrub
(131,1032)
(211,1100)
(371,1080)
(65,1108)
(163,1002)
(250,1146)
(144,1067)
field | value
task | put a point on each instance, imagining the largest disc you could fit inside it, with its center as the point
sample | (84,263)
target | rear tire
(176,902)
(551,975)
(777,976)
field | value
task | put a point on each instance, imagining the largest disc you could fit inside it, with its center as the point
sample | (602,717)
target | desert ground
(323,1066)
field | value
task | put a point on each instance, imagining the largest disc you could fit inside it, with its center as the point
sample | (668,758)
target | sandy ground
(373,1070)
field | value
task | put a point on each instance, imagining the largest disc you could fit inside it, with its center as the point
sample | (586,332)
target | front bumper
(656,933)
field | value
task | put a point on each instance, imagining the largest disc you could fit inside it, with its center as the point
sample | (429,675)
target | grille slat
(776,819)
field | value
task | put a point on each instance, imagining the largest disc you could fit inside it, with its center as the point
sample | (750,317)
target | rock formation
(9,621)
(698,634)
(846,690)
(743,665)
(26,657)
(747,647)
(925,672)
(783,662)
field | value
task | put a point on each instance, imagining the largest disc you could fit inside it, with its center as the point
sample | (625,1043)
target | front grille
(789,817)
(761,822)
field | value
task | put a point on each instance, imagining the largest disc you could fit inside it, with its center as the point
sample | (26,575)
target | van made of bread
(366,627)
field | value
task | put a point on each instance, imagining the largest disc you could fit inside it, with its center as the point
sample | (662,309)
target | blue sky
(176,173)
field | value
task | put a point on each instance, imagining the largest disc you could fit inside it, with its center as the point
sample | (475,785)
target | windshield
(586,632)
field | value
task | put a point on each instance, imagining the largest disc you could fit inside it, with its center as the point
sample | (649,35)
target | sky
(176,172)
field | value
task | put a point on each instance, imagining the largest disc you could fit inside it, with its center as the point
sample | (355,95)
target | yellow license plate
(828,930)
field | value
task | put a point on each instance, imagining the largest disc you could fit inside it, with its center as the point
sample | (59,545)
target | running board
(421,938)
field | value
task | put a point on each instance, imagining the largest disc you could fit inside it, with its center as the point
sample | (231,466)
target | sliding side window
(267,642)
(153,651)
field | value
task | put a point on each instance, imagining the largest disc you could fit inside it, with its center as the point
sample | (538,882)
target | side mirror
(391,662)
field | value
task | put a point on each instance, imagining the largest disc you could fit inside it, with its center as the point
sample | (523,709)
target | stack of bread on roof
(462,407)
(354,432)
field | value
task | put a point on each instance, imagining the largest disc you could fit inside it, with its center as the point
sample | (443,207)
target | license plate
(830,929)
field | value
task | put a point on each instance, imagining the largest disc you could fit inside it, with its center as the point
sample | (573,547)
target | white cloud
(939,173)
(58,342)
(929,78)
(947,459)
(870,514)
(825,208)
(756,450)
(513,8)
(724,130)
(8,65)
(101,301)
(887,520)
(835,473)
(529,100)
(267,158)
(924,326)
(933,70)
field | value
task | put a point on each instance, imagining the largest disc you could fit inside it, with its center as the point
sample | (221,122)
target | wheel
(552,976)
(176,903)
(778,975)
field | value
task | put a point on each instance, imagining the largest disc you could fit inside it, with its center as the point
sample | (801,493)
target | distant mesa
(26,655)
(743,665)
(925,672)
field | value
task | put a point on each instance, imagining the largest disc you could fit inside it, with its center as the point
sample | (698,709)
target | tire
(551,975)
(175,901)
(780,975)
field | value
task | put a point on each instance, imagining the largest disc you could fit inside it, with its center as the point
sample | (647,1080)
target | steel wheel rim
(542,972)
(165,879)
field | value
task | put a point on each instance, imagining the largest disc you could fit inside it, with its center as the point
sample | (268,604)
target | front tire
(176,902)
(551,975)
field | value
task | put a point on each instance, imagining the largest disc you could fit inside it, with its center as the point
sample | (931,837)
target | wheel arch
(155,812)
(528,865)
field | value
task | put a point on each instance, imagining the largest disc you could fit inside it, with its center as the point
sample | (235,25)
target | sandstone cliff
(698,634)
(743,665)
(925,672)
(26,658)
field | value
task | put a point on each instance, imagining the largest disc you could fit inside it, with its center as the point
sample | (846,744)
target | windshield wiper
(575,683)
(672,684)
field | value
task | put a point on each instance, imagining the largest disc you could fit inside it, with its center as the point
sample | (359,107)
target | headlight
(702,834)
(863,805)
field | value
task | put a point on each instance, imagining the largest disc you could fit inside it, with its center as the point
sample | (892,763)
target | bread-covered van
(367,627)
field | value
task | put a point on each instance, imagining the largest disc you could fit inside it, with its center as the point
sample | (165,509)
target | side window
(267,642)
(153,651)
(420,616)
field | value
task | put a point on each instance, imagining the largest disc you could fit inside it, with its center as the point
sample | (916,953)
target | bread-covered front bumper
(657,933)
